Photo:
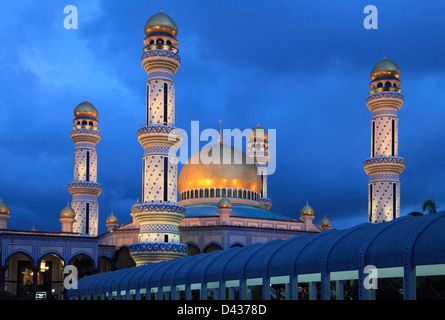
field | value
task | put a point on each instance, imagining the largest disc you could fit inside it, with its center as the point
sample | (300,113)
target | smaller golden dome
(85,109)
(224,203)
(258,132)
(385,68)
(307,210)
(3,207)
(160,22)
(132,207)
(67,212)
(112,219)
(325,222)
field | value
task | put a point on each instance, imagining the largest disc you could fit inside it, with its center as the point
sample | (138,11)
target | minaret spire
(158,215)
(384,166)
(220,140)
(84,188)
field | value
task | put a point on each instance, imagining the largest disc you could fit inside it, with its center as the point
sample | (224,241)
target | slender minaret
(67,218)
(158,215)
(384,166)
(84,187)
(258,151)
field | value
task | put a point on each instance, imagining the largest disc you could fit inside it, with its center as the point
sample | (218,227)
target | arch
(212,192)
(237,245)
(18,251)
(201,193)
(229,193)
(48,253)
(206,192)
(193,249)
(218,193)
(223,192)
(212,246)
(84,263)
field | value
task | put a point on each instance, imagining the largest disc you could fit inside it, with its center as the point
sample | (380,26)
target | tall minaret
(258,151)
(384,166)
(85,188)
(158,215)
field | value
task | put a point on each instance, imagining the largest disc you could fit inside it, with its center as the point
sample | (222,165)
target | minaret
(67,218)
(258,151)
(4,214)
(158,214)
(111,222)
(384,166)
(85,188)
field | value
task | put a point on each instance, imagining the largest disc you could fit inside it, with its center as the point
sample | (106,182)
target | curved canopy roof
(407,240)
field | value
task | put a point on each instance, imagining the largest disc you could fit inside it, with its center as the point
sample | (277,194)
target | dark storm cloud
(301,68)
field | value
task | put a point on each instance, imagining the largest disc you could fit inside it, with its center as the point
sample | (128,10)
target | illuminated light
(43,266)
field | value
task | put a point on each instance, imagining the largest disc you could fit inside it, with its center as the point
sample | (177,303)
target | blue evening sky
(300,67)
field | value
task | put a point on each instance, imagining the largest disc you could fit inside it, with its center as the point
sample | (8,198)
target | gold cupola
(4,209)
(204,176)
(307,210)
(325,222)
(160,22)
(224,203)
(112,219)
(385,68)
(85,109)
(67,212)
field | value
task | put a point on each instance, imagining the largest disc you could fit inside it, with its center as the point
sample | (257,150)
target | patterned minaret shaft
(84,187)
(384,166)
(258,151)
(158,215)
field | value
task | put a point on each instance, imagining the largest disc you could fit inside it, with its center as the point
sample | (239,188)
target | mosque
(209,231)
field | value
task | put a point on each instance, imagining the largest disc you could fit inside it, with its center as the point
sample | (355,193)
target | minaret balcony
(85,187)
(385,99)
(161,46)
(159,135)
(85,135)
(160,59)
(380,164)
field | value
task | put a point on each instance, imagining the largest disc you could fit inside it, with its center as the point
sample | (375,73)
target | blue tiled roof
(406,241)
(238,210)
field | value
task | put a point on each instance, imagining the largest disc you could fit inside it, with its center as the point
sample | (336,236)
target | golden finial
(220,134)
(161,9)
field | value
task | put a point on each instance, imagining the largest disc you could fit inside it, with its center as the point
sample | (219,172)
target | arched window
(223,192)
(201,193)
(159,41)
(244,194)
(229,193)
(379,85)
(234,193)
(206,192)
(169,42)
(152,42)
(91,123)
(196,193)
(212,192)
(240,193)
(218,193)
(84,122)
(388,84)
(188,194)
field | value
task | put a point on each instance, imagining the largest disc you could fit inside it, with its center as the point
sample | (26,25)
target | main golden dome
(160,22)
(233,170)
(385,68)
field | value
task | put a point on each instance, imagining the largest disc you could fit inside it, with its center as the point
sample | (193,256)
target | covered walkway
(407,248)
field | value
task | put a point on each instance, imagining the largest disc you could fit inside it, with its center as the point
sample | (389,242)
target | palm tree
(430,207)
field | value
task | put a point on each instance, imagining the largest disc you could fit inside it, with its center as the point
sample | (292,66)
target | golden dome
(160,22)
(86,109)
(3,207)
(67,212)
(112,219)
(385,68)
(132,207)
(325,222)
(239,172)
(224,203)
(258,132)
(307,210)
